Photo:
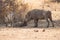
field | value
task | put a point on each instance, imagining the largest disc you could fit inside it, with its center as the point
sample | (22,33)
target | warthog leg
(36,22)
(47,23)
(51,21)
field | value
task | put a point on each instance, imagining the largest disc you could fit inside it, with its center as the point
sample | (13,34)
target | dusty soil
(31,33)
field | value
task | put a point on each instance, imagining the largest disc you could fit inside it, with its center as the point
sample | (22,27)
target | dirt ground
(31,33)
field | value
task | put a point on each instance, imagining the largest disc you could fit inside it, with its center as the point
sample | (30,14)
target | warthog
(13,19)
(9,19)
(37,14)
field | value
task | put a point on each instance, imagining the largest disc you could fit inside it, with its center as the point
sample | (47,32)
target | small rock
(43,30)
(35,30)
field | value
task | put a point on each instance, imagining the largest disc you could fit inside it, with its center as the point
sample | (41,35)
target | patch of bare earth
(29,33)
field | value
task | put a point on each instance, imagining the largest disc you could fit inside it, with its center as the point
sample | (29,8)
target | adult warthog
(37,14)
(9,19)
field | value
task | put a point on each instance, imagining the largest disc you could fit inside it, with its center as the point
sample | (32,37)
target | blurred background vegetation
(22,6)
(12,5)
